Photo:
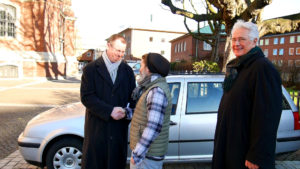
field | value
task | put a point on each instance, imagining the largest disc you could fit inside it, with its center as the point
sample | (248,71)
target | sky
(98,19)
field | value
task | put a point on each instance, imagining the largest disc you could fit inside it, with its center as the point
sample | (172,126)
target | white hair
(253,29)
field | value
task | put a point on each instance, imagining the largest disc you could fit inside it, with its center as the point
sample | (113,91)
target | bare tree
(227,12)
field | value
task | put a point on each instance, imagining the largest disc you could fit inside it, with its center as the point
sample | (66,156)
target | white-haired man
(250,109)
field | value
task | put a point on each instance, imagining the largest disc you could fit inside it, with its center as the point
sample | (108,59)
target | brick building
(282,49)
(141,41)
(187,47)
(37,38)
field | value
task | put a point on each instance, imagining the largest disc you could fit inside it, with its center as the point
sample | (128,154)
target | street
(23,99)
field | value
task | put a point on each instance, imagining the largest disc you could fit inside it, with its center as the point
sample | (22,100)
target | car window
(203,97)
(137,66)
(285,104)
(174,89)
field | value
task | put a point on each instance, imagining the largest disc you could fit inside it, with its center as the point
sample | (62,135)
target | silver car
(54,138)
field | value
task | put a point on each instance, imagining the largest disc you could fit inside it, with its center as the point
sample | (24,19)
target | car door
(198,118)
(175,86)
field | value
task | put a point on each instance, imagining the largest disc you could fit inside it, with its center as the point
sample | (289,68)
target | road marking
(22,85)
(29,105)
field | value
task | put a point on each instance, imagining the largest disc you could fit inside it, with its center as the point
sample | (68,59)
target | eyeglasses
(239,39)
(117,50)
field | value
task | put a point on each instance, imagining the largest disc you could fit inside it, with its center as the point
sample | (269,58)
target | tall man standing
(149,132)
(250,108)
(106,87)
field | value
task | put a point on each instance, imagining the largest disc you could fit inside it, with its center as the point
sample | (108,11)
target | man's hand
(131,160)
(251,165)
(118,113)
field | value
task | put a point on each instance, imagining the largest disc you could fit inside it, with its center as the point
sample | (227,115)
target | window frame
(298,51)
(200,90)
(282,39)
(292,39)
(275,52)
(291,51)
(261,42)
(179,87)
(8,22)
(266,42)
(281,52)
(275,41)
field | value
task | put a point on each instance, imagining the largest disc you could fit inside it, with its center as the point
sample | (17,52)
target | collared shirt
(156,102)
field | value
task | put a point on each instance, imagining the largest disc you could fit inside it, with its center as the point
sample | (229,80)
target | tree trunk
(228,53)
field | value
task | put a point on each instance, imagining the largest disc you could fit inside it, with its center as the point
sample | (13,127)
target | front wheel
(65,154)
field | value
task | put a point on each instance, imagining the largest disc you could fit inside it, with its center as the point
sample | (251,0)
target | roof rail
(186,72)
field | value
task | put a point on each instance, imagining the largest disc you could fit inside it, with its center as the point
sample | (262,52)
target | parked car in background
(54,138)
(135,67)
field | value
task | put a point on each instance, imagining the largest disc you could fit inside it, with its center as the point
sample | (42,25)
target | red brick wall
(190,51)
(38,29)
(286,56)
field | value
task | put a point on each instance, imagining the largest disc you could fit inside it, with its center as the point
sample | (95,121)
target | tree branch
(196,17)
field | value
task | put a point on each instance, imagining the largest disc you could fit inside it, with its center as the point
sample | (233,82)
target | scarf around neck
(111,67)
(235,66)
(143,86)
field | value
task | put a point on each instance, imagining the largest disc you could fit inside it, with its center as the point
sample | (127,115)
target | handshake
(118,113)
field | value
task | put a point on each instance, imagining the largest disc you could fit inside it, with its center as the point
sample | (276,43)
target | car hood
(69,117)
(66,112)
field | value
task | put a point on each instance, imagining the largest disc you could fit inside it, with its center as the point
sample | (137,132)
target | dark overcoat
(106,140)
(248,117)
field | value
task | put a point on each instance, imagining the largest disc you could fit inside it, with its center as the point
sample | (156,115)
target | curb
(16,161)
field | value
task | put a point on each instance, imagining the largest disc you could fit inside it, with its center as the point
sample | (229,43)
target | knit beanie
(158,64)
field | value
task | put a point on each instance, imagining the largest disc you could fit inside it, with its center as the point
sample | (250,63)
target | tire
(65,154)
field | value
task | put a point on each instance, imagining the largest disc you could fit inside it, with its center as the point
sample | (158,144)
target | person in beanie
(250,108)
(149,131)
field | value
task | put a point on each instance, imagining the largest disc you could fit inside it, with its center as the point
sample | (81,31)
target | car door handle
(172,123)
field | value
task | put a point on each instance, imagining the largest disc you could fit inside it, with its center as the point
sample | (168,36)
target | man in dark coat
(106,87)
(250,109)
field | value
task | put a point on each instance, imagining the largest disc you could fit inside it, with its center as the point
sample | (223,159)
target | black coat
(105,140)
(248,117)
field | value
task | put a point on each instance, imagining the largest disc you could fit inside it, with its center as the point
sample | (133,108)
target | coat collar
(102,70)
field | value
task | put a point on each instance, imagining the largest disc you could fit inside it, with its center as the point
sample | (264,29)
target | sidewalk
(15,161)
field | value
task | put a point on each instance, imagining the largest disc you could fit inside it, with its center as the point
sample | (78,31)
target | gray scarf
(141,88)
(111,67)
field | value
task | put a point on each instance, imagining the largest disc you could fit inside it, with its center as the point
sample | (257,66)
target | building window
(151,39)
(206,46)
(162,52)
(266,41)
(274,52)
(184,46)
(7,21)
(282,40)
(275,41)
(292,39)
(181,48)
(297,51)
(281,51)
(298,38)
(291,51)
(261,42)
(175,50)
(266,52)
